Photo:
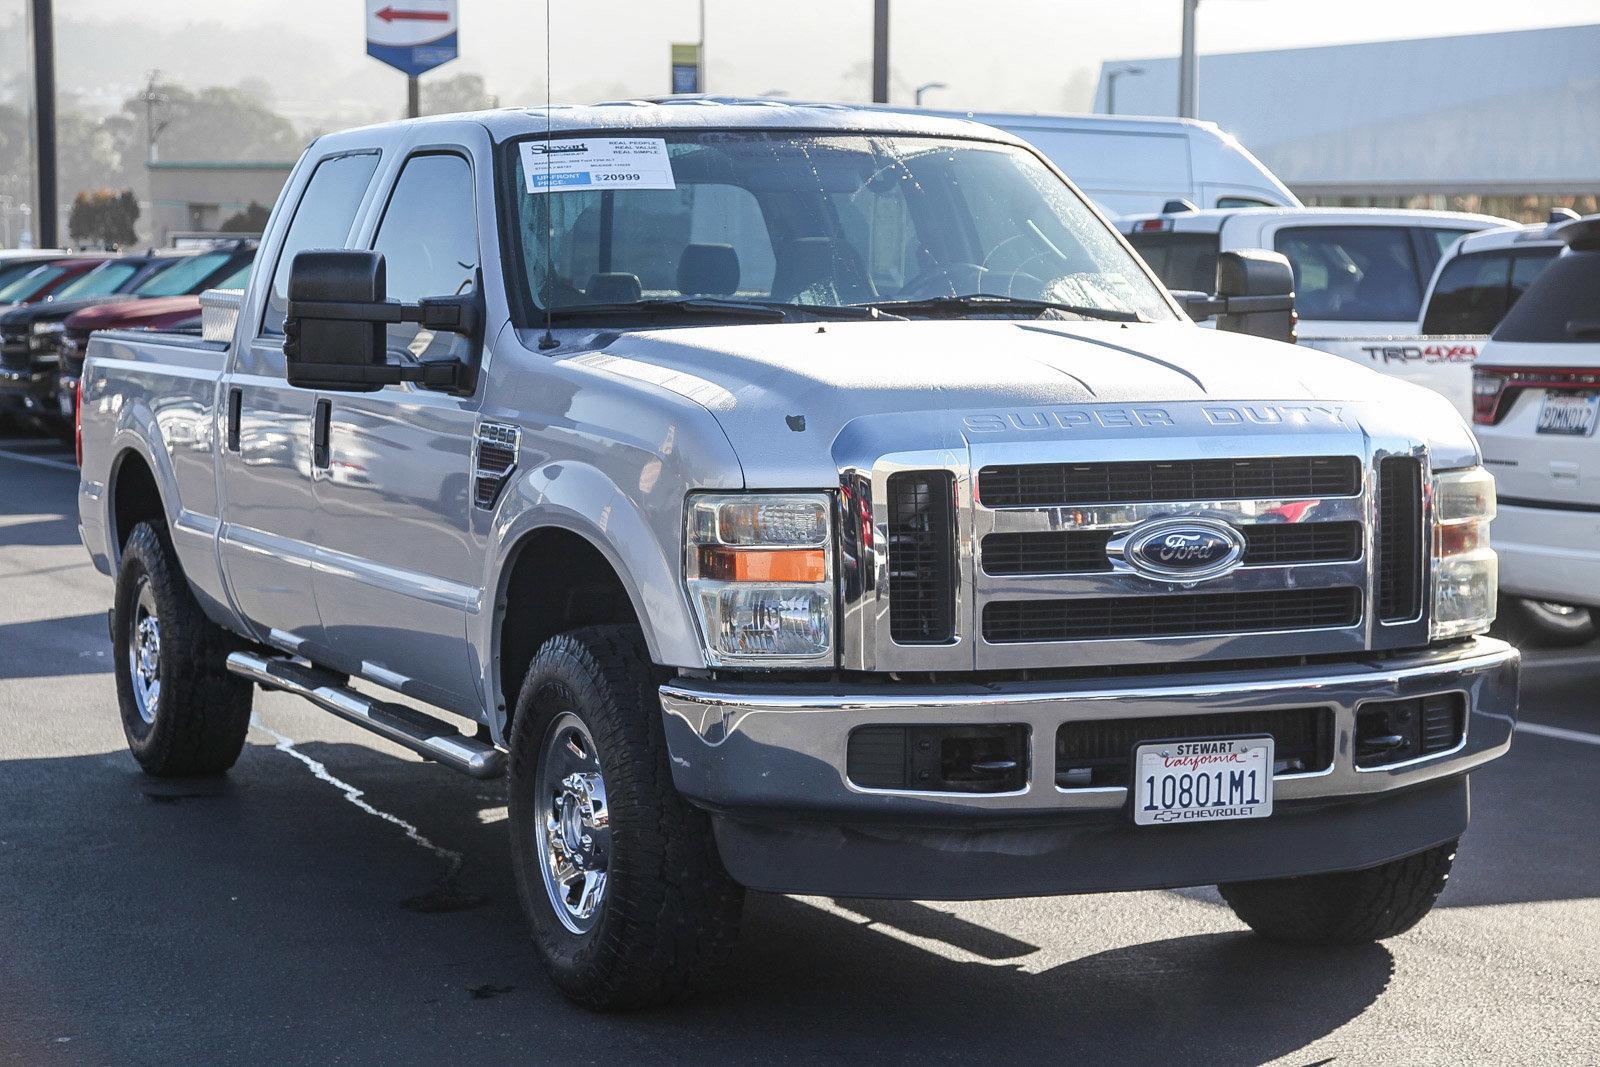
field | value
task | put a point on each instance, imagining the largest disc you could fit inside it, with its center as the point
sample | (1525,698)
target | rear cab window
(323,218)
(1183,261)
(1353,273)
(1475,290)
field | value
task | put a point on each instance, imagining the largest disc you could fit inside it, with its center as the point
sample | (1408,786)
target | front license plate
(1567,414)
(1202,780)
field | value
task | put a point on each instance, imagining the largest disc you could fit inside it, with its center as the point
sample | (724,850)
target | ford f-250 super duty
(804,500)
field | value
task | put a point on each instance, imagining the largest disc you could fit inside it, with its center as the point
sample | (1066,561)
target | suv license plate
(1202,780)
(1567,414)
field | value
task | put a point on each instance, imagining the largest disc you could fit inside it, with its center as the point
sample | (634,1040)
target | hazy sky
(1018,54)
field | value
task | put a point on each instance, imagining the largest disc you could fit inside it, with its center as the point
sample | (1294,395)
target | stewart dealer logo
(1421,353)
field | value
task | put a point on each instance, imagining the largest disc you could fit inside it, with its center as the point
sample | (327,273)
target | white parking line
(59,465)
(1558,733)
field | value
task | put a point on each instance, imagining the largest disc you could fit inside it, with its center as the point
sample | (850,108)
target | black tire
(669,915)
(1544,624)
(197,721)
(1345,908)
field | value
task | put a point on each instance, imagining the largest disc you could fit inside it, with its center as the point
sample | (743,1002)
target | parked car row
(51,301)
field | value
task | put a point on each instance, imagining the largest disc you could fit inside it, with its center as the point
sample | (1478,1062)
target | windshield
(808,221)
(238,279)
(30,284)
(185,275)
(103,280)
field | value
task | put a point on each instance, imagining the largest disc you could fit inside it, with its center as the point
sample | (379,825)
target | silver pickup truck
(803,500)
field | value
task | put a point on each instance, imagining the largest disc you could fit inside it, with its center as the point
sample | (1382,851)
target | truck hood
(784,393)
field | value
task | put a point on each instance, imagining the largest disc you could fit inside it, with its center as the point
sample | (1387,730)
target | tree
(447,96)
(104,218)
(252,219)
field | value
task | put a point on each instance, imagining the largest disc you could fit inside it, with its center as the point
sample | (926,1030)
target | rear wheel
(1347,907)
(182,712)
(1544,623)
(619,875)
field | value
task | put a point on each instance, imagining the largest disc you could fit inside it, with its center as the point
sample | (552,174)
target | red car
(42,281)
(157,313)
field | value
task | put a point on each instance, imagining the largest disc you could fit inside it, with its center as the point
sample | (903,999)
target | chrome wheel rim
(144,652)
(573,827)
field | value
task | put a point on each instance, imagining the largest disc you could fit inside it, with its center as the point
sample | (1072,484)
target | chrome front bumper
(780,749)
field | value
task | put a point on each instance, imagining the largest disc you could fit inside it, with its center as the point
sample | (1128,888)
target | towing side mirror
(1255,295)
(335,332)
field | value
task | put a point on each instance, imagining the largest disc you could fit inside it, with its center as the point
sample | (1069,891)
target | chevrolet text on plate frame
(596,163)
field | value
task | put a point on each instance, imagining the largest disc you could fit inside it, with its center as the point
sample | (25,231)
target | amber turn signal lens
(763,565)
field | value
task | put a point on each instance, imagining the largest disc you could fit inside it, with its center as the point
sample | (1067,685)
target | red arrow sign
(389,14)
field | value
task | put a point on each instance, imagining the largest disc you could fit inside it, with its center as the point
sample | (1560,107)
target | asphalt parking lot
(334,899)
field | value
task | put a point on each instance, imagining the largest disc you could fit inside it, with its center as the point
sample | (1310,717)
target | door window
(1353,273)
(323,218)
(429,241)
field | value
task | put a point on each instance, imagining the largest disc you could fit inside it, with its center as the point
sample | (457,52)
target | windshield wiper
(686,307)
(754,310)
(990,302)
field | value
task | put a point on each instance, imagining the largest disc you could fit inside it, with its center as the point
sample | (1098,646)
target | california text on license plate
(1202,780)
(1568,414)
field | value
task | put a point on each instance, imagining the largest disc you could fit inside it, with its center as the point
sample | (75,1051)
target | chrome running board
(423,734)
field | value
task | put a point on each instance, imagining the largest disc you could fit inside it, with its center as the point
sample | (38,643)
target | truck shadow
(55,648)
(275,913)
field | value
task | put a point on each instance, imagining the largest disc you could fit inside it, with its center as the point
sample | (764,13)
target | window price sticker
(596,163)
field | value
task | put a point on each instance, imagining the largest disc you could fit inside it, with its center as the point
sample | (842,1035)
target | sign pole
(413,97)
(880,51)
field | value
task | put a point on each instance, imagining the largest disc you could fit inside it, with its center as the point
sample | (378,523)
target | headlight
(40,329)
(760,573)
(1466,572)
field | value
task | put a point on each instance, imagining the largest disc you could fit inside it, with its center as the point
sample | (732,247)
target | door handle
(319,434)
(235,406)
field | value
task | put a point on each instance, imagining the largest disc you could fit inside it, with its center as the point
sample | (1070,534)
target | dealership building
(1507,123)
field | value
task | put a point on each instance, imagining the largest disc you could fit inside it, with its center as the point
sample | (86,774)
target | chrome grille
(1058,585)
(1061,484)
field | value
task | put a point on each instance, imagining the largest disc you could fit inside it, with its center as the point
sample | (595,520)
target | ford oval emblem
(1183,550)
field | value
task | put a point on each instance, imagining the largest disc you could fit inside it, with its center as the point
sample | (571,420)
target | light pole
(1111,84)
(927,87)
(880,51)
(1188,88)
(41,23)
(700,57)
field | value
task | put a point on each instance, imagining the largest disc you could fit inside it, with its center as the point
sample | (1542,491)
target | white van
(1130,165)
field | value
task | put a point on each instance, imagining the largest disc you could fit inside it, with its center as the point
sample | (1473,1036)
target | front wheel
(1347,907)
(618,874)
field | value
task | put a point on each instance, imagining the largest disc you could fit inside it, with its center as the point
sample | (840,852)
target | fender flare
(580,499)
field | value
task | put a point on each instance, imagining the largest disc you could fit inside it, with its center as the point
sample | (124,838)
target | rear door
(397,577)
(267,537)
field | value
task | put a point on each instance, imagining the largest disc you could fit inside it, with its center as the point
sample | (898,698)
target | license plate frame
(1555,409)
(1247,753)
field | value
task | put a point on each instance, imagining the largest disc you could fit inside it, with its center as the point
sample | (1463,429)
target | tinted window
(1471,294)
(1561,306)
(1442,239)
(1474,291)
(237,280)
(30,284)
(1243,201)
(1353,273)
(1183,261)
(184,276)
(103,280)
(322,219)
(429,241)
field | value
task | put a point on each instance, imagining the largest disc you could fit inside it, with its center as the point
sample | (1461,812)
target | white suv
(1536,397)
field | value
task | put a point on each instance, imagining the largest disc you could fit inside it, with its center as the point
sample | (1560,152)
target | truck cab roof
(1216,220)
(682,113)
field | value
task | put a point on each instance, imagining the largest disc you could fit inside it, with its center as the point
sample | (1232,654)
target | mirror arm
(451,314)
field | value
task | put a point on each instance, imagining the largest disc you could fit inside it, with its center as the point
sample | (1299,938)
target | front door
(268,536)
(397,577)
